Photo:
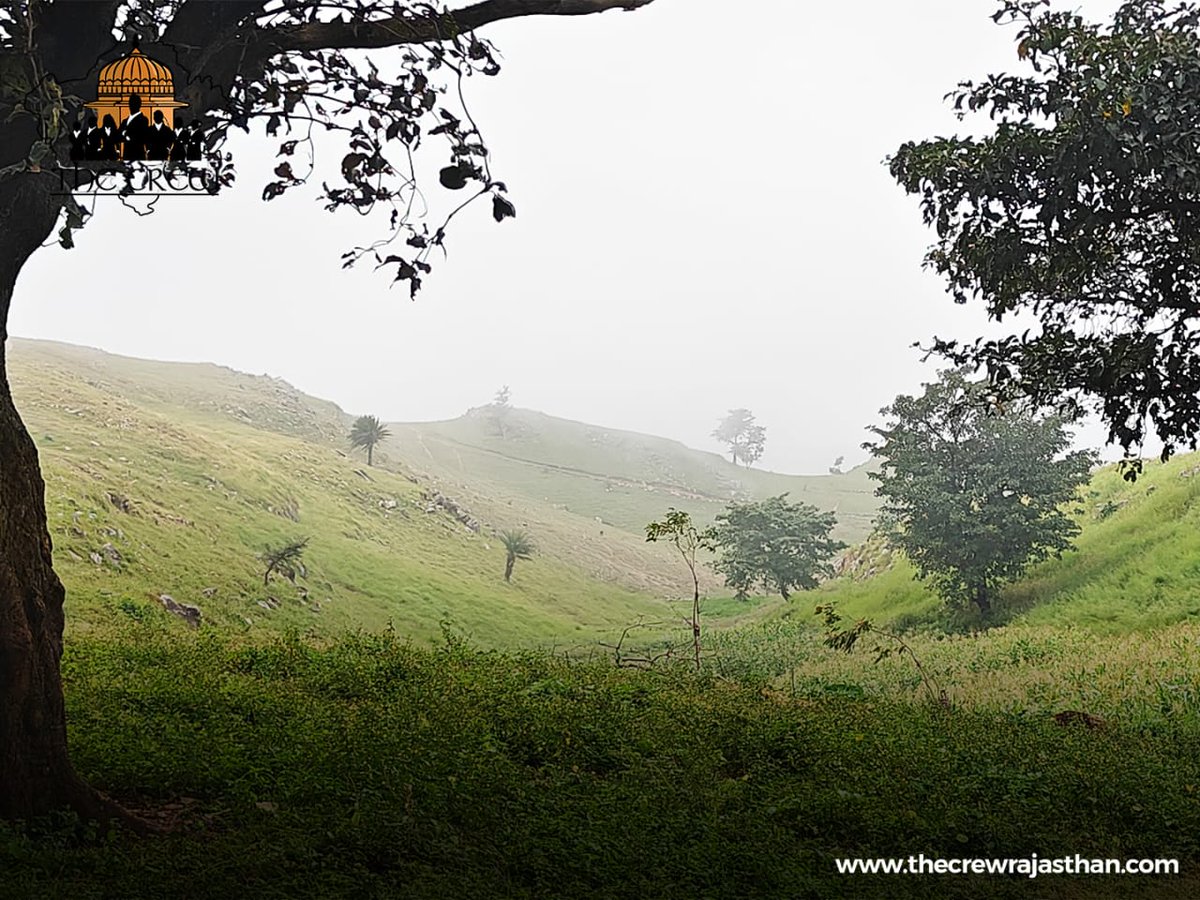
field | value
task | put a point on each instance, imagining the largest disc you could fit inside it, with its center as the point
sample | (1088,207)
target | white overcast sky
(705,222)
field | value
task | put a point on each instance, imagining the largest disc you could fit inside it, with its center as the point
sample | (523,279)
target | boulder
(186,611)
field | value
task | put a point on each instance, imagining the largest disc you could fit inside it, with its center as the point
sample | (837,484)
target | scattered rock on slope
(186,611)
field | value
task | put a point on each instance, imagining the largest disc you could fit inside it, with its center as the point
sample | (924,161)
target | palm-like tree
(367,432)
(519,546)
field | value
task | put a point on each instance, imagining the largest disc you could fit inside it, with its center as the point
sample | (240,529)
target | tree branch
(399,30)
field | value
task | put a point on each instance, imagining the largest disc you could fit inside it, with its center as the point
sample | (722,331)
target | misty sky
(704,222)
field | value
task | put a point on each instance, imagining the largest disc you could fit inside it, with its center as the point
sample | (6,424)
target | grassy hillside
(215,464)
(1111,627)
(168,478)
(1135,565)
(171,480)
(622,478)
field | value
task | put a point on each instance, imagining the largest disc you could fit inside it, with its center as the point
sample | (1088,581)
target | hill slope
(623,478)
(172,479)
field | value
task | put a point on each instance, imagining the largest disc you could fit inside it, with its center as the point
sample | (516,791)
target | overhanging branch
(408,30)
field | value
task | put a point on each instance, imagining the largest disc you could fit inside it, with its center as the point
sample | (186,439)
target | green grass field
(373,768)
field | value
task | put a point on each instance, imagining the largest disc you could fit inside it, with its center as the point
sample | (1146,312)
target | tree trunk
(36,775)
(370,455)
(508,567)
(983,601)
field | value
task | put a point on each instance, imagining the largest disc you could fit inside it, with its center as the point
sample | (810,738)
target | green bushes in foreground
(372,768)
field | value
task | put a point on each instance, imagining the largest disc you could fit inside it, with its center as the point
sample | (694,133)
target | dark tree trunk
(370,455)
(983,601)
(36,775)
(508,567)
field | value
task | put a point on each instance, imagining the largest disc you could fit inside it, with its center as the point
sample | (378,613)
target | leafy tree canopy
(972,492)
(366,433)
(745,439)
(1081,206)
(517,545)
(290,69)
(779,545)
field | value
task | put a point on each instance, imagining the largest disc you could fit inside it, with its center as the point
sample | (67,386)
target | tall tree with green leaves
(774,544)
(678,529)
(366,434)
(974,492)
(517,545)
(745,439)
(382,78)
(1079,205)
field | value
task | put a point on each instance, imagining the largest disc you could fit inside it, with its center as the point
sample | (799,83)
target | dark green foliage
(517,545)
(779,545)
(745,439)
(386,771)
(973,492)
(1082,207)
(367,432)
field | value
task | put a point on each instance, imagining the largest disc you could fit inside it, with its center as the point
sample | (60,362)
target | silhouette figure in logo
(91,138)
(195,144)
(135,130)
(159,138)
(108,140)
(182,135)
(78,142)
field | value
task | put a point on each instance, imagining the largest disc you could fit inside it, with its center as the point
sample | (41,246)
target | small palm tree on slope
(367,432)
(519,546)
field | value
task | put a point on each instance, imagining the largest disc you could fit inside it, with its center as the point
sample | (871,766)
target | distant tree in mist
(836,468)
(366,433)
(745,439)
(501,407)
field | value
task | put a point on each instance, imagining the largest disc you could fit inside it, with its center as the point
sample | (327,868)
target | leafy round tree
(779,545)
(294,70)
(517,545)
(366,433)
(745,439)
(1080,206)
(974,493)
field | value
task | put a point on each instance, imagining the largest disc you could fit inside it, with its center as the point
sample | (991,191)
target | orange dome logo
(133,117)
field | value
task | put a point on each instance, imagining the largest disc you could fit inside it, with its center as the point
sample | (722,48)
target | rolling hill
(172,479)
